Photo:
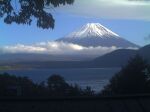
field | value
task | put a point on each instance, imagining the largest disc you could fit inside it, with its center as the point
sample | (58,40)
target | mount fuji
(95,34)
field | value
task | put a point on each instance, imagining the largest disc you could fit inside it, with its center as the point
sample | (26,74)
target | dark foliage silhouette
(132,79)
(16,86)
(56,86)
(24,11)
(88,91)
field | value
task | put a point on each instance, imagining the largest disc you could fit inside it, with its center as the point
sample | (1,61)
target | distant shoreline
(3,68)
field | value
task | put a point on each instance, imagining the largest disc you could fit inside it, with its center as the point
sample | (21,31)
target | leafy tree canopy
(134,78)
(56,82)
(24,11)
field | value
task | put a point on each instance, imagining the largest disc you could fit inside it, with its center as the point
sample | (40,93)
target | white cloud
(110,9)
(58,48)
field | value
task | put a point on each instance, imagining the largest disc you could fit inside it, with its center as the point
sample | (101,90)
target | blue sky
(132,22)
(133,30)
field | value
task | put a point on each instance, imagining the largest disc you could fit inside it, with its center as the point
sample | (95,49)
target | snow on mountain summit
(93,30)
(95,34)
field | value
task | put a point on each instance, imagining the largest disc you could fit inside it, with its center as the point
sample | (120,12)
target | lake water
(96,78)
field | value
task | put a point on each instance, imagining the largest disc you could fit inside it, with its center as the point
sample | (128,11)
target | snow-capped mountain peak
(95,34)
(93,30)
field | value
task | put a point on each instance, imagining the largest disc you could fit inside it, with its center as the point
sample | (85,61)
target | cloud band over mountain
(58,48)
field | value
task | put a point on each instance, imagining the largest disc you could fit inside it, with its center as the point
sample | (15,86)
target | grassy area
(5,67)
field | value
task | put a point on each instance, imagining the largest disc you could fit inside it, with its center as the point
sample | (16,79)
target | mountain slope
(120,57)
(145,52)
(94,34)
(116,58)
